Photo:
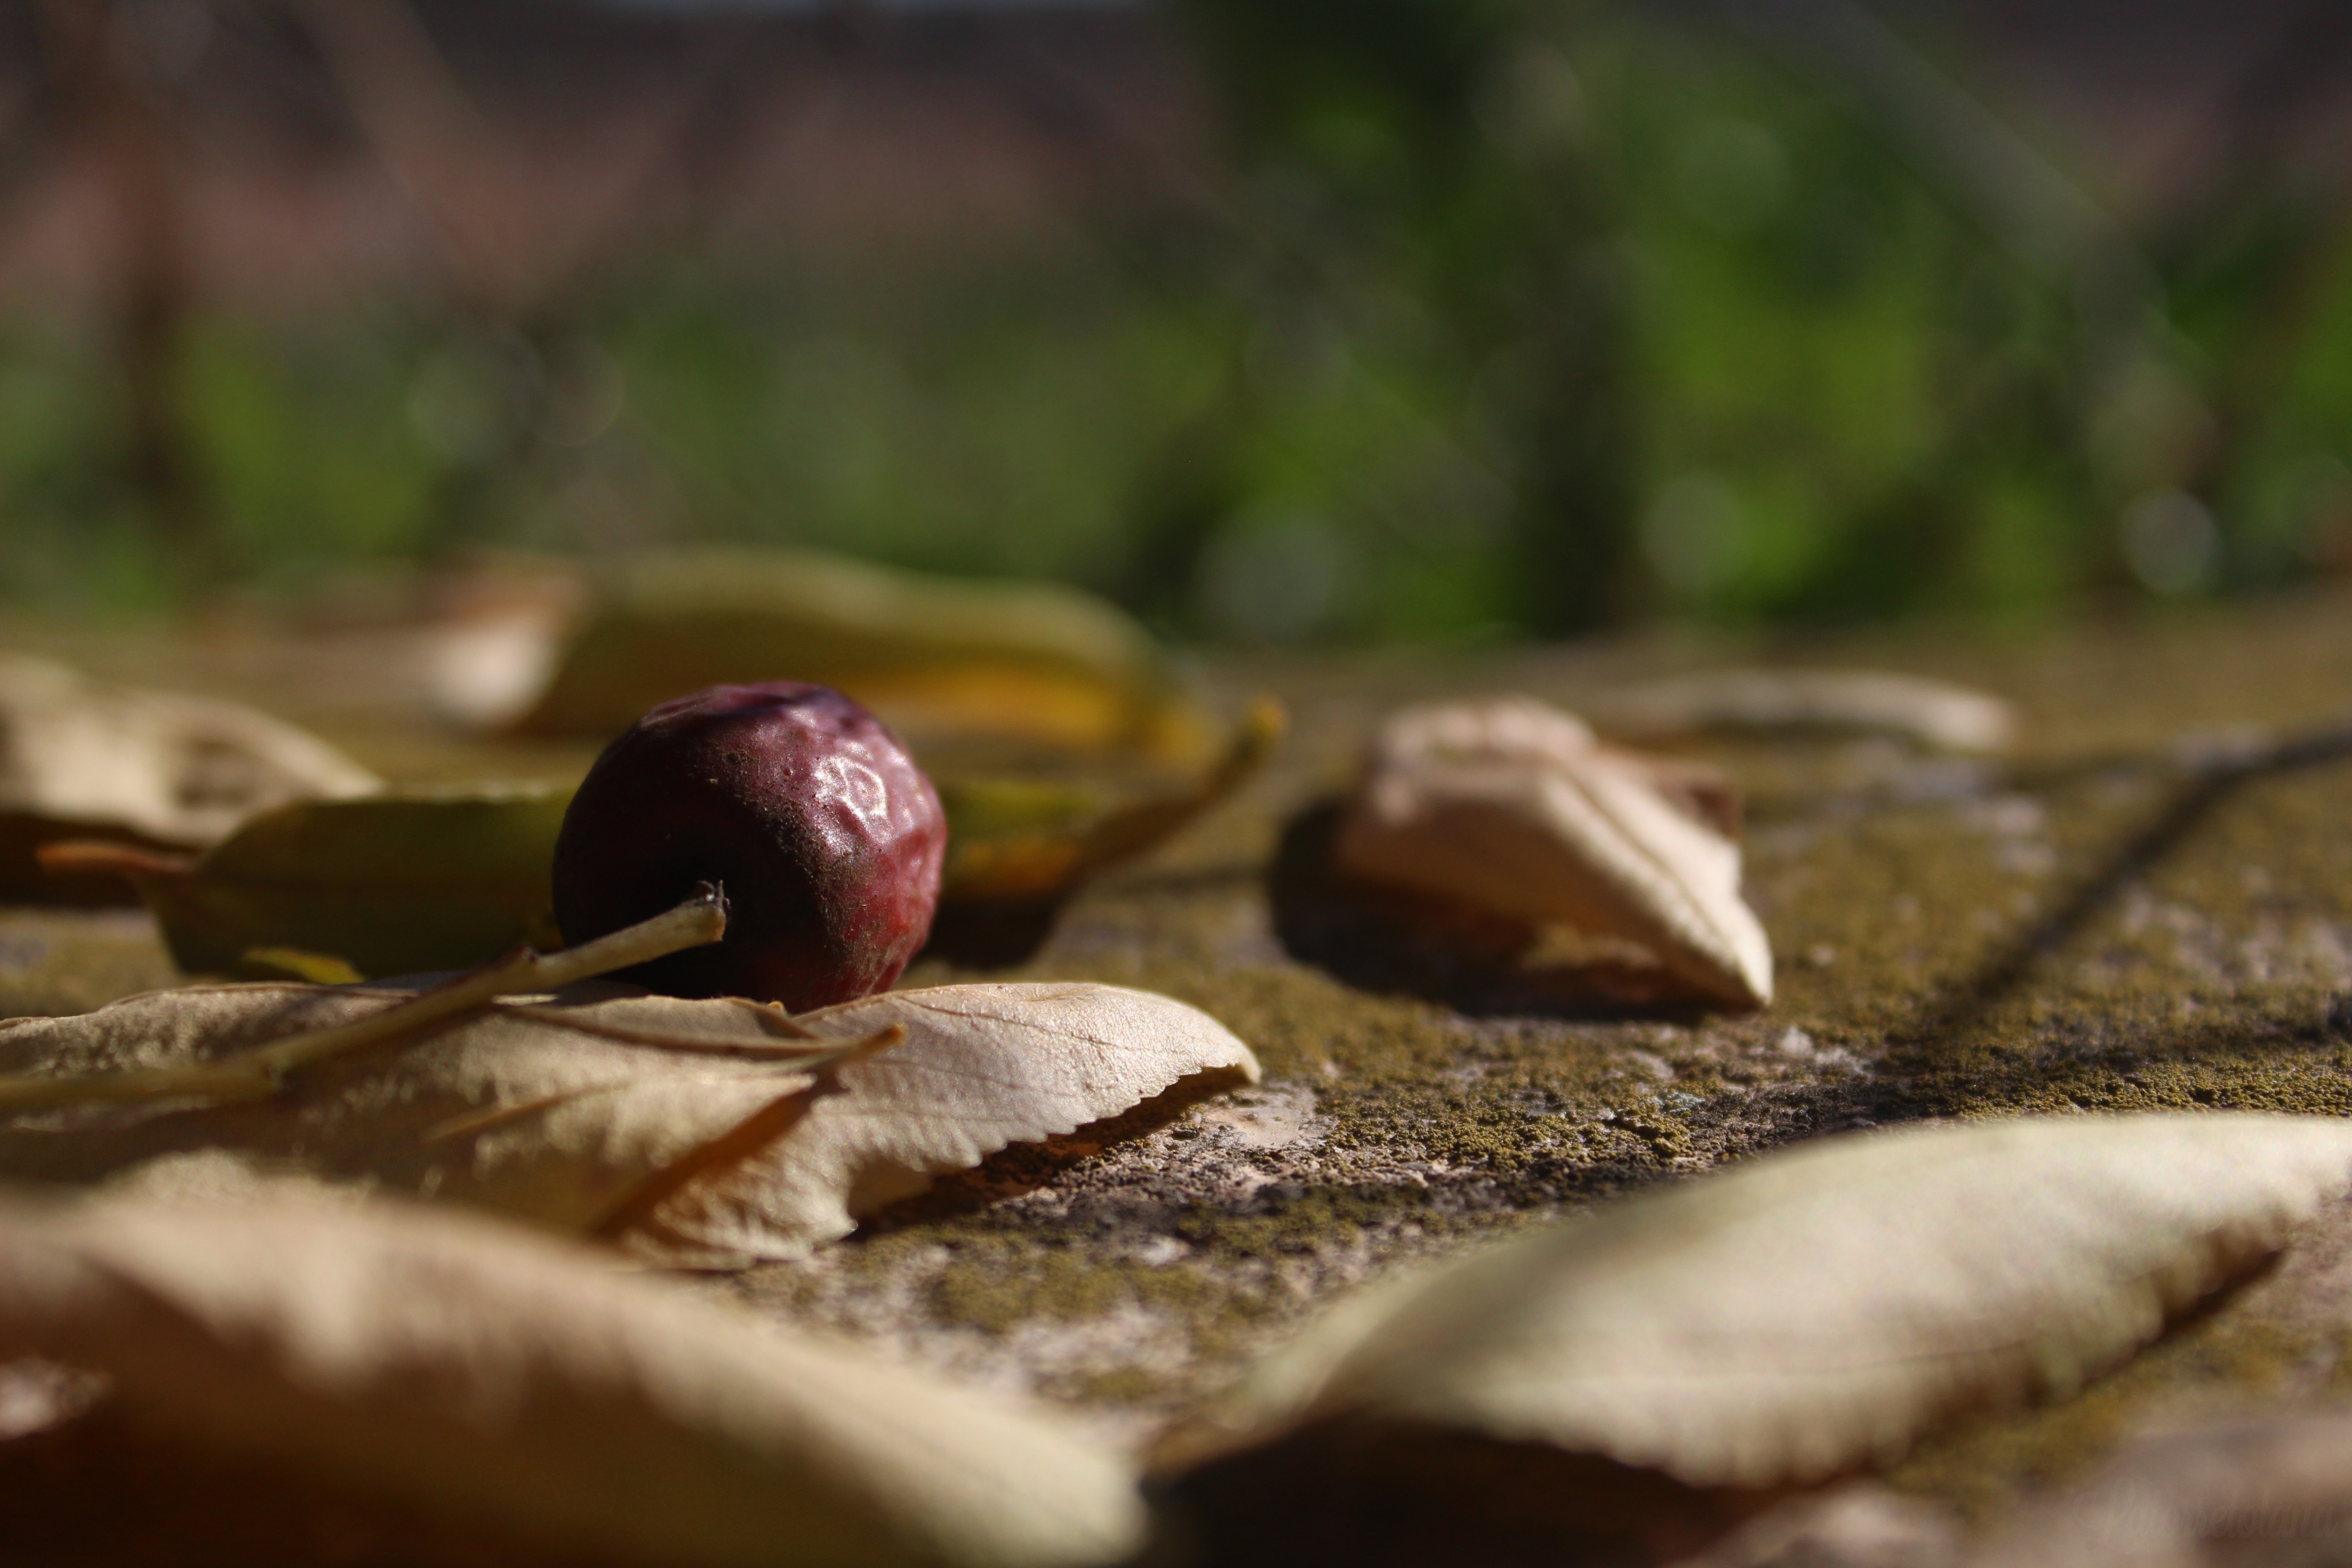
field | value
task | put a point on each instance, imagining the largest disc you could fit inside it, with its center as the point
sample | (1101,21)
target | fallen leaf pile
(453,1364)
(693,1132)
(270,1215)
(80,757)
(406,881)
(1511,806)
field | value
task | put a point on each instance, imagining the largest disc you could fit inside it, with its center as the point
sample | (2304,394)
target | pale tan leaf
(450,1362)
(1932,713)
(1822,1306)
(569,1109)
(178,770)
(938,657)
(983,1066)
(1508,805)
(83,760)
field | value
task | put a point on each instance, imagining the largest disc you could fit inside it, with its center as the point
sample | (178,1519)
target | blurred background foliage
(1390,320)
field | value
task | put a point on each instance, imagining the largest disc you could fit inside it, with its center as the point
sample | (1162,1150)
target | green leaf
(398,883)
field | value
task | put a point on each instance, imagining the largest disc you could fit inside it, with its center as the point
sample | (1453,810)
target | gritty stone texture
(2141,907)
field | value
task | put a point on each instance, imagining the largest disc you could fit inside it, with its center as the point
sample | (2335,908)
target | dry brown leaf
(687,1130)
(184,770)
(1932,713)
(79,756)
(448,1361)
(1509,805)
(1822,1308)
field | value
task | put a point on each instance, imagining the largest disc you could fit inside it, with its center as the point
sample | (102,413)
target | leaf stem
(258,1073)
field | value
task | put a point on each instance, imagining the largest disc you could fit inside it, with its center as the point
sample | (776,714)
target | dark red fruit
(826,836)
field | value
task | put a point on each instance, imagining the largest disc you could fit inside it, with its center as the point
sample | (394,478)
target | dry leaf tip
(1509,805)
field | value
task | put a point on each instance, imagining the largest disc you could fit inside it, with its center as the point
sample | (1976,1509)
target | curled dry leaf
(395,883)
(1822,1308)
(450,1362)
(79,756)
(1511,806)
(1932,712)
(709,1133)
(938,659)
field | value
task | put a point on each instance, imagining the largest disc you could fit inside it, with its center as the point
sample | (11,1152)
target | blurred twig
(103,82)
(419,120)
(2206,783)
(512,286)
(2037,213)
(2046,223)
(2300,65)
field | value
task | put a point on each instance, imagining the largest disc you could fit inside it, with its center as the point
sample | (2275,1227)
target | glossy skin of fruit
(825,836)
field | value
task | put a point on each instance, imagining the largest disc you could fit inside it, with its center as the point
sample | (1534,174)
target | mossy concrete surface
(2148,904)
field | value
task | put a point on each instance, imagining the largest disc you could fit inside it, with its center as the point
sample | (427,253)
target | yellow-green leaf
(943,659)
(409,881)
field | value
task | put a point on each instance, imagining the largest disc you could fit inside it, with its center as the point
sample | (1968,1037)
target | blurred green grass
(1512,321)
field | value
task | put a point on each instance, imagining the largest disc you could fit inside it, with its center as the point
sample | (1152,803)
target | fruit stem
(260,1073)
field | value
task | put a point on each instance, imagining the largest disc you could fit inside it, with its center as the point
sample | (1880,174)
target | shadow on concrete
(1478,963)
(1967,1005)
(1390,1494)
(1026,1167)
(992,933)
